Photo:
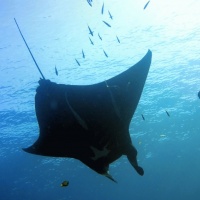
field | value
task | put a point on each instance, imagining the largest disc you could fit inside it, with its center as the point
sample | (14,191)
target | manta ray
(90,122)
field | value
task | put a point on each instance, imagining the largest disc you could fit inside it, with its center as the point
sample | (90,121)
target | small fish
(91,41)
(162,135)
(111,17)
(146,5)
(64,183)
(117,39)
(105,53)
(83,54)
(142,116)
(107,24)
(167,113)
(99,37)
(77,62)
(89,2)
(56,71)
(102,9)
(199,94)
(90,31)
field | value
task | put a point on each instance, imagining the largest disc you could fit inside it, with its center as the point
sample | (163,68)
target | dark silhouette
(90,122)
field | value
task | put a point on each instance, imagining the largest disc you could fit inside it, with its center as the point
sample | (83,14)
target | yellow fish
(64,183)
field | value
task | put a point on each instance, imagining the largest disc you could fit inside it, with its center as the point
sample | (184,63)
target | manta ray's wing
(90,123)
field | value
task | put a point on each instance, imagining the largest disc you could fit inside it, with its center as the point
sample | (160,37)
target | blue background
(56,31)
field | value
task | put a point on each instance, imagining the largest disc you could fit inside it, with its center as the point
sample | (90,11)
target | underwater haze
(165,128)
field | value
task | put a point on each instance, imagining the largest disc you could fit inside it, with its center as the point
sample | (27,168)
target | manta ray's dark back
(90,123)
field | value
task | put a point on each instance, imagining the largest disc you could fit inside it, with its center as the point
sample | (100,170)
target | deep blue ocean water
(56,31)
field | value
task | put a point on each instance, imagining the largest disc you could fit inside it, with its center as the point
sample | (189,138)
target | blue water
(56,31)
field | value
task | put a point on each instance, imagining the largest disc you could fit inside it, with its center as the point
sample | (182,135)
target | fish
(64,183)
(77,62)
(199,94)
(91,41)
(146,5)
(142,116)
(111,17)
(83,54)
(89,2)
(117,39)
(107,24)
(162,135)
(56,71)
(90,123)
(90,31)
(102,9)
(105,53)
(99,37)
(167,113)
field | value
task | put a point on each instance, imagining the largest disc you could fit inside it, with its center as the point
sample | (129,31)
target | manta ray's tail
(29,49)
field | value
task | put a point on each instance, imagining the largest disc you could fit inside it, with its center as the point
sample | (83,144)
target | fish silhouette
(56,71)
(107,24)
(146,5)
